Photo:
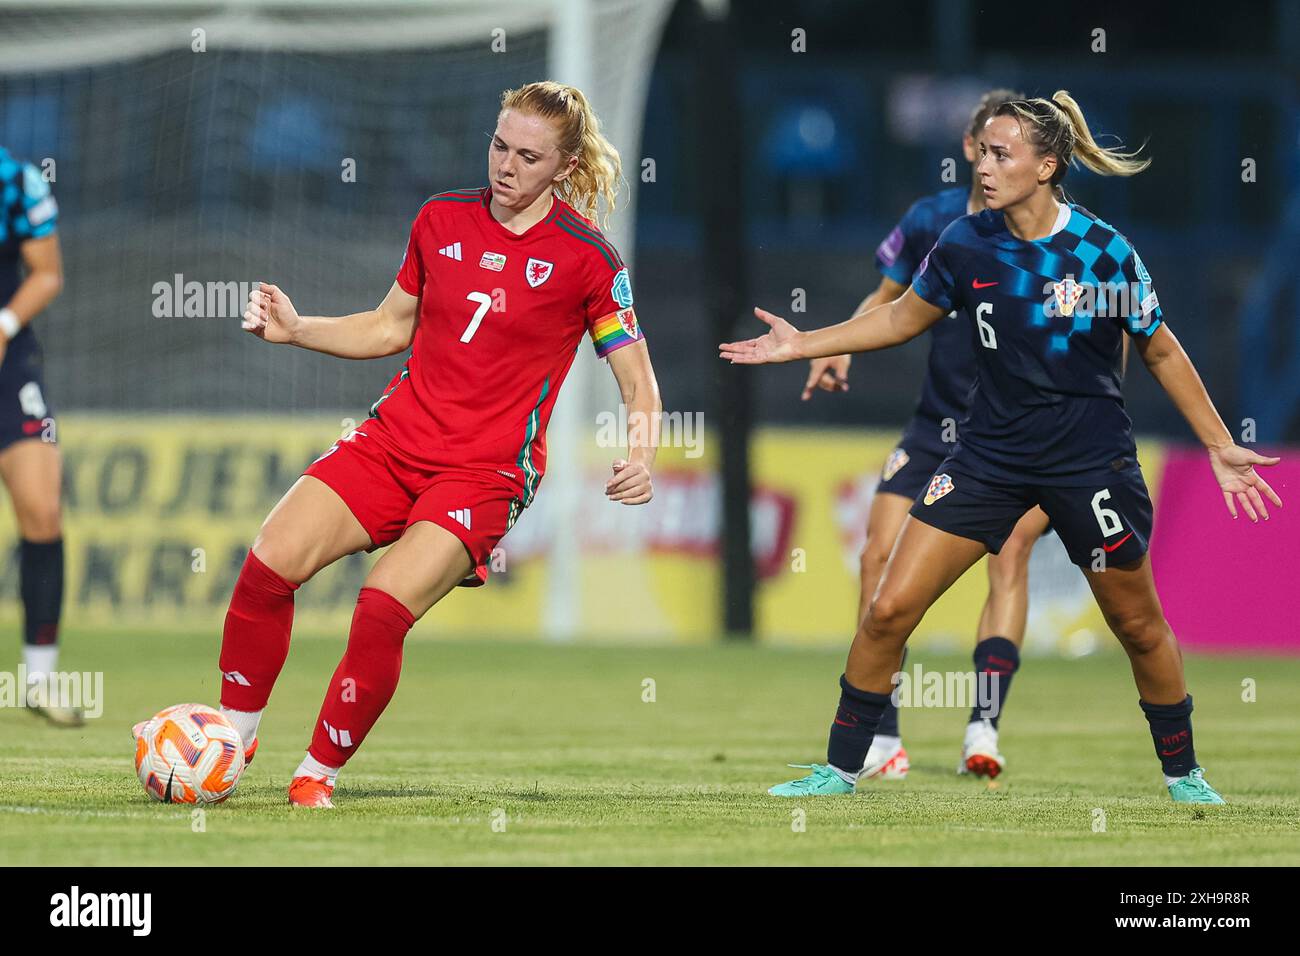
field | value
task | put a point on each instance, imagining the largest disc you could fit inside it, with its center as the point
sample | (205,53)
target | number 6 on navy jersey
(988,338)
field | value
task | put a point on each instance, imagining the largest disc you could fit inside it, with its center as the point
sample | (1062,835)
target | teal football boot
(1193,789)
(822,782)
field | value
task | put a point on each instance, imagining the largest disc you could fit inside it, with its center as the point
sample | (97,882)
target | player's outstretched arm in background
(43,262)
(1233,466)
(831,374)
(890,324)
(640,390)
(385,330)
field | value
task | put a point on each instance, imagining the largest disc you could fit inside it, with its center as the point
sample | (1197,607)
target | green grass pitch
(556,743)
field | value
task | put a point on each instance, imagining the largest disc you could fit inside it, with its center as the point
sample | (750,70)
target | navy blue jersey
(27,211)
(1046,320)
(950,369)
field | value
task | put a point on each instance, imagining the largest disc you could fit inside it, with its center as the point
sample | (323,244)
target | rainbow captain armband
(611,332)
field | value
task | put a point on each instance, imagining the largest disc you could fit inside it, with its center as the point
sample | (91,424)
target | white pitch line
(94,813)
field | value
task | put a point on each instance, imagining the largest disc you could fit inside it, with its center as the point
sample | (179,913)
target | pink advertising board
(1227,585)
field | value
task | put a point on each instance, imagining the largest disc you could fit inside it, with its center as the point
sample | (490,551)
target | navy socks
(40,575)
(854,725)
(1171,731)
(994,656)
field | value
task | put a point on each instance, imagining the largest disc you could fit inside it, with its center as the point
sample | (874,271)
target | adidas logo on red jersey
(451,252)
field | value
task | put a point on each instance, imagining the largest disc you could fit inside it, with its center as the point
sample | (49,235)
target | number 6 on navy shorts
(1100,524)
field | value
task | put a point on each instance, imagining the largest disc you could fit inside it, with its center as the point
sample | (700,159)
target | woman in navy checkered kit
(1047,424)
(926,441)
(31,276)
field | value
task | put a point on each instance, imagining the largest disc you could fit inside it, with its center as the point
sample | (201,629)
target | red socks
(255,644)
(365,679)
(255,641)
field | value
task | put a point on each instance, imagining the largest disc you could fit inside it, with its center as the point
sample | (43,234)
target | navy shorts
(911,464)
(1100,524)
(24,411)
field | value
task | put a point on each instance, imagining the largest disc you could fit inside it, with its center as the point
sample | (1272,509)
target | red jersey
(501,317)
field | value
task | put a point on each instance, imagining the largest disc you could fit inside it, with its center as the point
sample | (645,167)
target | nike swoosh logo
(1111,547)
(976,284)
(843,724)
(1171,753)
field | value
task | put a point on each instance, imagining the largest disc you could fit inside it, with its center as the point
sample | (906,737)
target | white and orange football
(189,753)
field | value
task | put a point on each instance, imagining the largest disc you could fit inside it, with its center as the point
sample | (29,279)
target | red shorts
(388,494)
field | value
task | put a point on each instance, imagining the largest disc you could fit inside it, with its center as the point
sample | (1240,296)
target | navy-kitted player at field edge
(29,458)
(1048,290)
(926,441)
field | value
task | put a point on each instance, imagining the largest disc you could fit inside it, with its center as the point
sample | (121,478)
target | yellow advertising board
(160,512)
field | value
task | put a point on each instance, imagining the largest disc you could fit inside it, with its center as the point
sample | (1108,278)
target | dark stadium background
(1204,86)
(1203,90)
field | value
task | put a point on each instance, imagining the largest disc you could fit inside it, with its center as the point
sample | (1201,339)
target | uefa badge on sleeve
(940,485)
(1140,269)
(1067,294)
(620,290)
(889,249)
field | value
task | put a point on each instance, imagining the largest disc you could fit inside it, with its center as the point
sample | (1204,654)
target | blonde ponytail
(1057,126)
(596,178)
(1103,161)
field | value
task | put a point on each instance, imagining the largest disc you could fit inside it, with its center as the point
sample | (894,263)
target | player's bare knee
(379,579)
(291,562)
(41,523)
(414,597)
(888,617)
(1009,572)
(872,636)
(873,559)
(1140,633)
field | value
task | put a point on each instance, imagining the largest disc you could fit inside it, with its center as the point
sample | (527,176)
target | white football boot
(885,762)
(43,703)
(979,752)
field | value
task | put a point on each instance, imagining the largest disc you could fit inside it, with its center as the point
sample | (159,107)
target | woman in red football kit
(496,290)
